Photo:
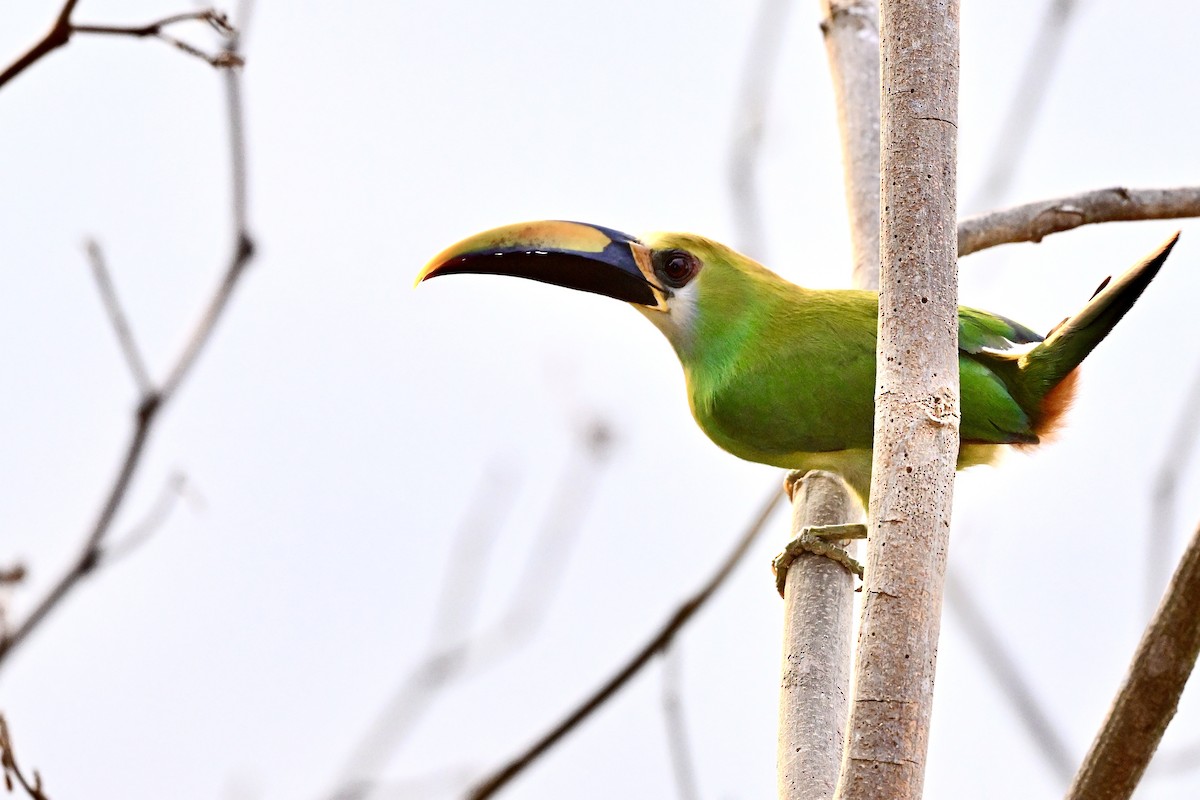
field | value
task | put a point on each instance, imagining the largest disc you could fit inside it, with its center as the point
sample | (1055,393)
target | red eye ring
(677,267)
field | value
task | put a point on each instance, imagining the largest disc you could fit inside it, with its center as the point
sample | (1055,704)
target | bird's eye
(677,267)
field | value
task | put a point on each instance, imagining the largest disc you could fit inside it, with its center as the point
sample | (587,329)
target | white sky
(339,423)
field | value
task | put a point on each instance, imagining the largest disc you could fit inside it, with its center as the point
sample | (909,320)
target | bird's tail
(1049,368)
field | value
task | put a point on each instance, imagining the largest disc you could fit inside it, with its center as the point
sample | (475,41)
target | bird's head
(668,277)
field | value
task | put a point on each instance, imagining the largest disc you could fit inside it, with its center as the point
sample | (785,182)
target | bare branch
(8,764)
(746,148)
(634,665)
(818,619)
(998,660)
(1149,695)
(1035,221)
(1166,485)
(139,534)
(120,323)
(851,29)
(449,646)
(683,765)
(453,648)
(152,402)
(58,35)
(917,405)
(63,29)
(1032,88)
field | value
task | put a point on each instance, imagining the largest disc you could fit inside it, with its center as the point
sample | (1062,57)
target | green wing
(990,414)
(978,330)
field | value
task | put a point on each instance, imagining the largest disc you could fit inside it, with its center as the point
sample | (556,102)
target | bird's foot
(819,540)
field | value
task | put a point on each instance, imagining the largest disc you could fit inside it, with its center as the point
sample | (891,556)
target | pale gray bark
(1033,222)
(851,29)
(818,618)
(917,406)
(1149,695)
(819,593)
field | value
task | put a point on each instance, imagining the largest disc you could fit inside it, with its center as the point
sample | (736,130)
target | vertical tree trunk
(851,30)
(819,594)
(916,408)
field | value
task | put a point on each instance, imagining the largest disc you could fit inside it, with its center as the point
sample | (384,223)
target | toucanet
(784,375)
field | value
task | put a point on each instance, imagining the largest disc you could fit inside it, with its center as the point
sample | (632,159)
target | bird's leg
(819,540)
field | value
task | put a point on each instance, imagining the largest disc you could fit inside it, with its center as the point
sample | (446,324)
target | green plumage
(784,375)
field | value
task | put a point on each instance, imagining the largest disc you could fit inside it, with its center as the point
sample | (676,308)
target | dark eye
(677,267)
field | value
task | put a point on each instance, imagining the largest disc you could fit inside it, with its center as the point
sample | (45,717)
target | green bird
(784,375)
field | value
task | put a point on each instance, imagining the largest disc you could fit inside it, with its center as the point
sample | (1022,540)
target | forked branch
(152,398)
(63,29)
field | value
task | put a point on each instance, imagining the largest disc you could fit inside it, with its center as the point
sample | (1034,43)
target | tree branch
(454,648)
(1006,672)
(657,643)
(1159,539)
(1150,693)
(1032,88)
(152,401)
(851,29)
(746,149)
(683,764)
(1035,221)
(63,29)
(818,620)
(917,405)
(120,322)
(11,770)
(819,595)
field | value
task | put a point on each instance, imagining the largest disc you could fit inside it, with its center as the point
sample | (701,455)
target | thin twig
(63,29)
(1005,671)
(1182,443)
(118,319)
(1033,222)
(225,58)
(453,649)
(218,21)
(1018,125)
(634,665)
(683,765)
(152,402)
(58,35)
(745,150)
(11,770)
(1149,695)
(449,646)
(140,533)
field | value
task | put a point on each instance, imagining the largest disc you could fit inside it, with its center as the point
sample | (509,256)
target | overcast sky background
(340,423)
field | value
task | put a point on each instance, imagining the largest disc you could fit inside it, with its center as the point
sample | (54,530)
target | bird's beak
(571,254)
